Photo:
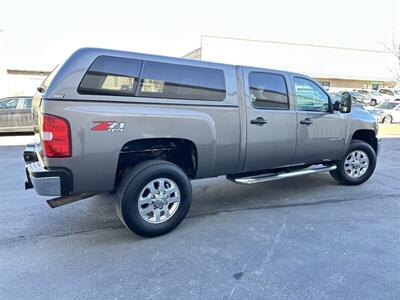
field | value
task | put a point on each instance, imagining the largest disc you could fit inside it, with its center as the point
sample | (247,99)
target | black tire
(387,119)
(373,102)
(132,184)
(340,174)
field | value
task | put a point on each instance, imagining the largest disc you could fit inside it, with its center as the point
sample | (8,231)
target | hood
(364,119)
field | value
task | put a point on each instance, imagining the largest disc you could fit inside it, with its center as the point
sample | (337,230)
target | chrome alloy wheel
(159,200)
(356,164)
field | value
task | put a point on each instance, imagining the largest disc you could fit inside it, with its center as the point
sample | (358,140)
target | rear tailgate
(37,110)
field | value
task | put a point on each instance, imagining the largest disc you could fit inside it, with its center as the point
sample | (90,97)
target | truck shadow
(210,197)
(217,195)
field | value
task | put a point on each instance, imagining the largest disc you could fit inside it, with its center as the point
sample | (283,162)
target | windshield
(356,94)
(387,105)
(49,78)
(8,103)
(397,92)
(375,93)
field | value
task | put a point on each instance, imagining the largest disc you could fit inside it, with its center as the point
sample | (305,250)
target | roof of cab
(89,54)
(70,74)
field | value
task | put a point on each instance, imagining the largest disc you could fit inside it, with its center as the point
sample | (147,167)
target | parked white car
(372,96)
(387,112)
(391,94)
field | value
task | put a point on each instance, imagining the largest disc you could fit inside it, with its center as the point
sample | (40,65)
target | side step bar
(280,175)
(60,201)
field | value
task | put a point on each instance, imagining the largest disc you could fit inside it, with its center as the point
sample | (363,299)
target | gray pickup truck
(144,126)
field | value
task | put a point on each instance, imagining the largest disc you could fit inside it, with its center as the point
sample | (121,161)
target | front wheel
(357,165)
(387,119)
(153,198)
(373,102)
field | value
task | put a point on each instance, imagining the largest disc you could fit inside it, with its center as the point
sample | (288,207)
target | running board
(281,175)
(60,201)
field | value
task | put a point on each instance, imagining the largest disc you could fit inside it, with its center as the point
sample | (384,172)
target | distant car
(387,112)
(16,114)
(357,97)
(372,96)
(391,94)
(357,100)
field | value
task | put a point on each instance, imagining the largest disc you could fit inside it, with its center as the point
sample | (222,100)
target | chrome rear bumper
(46,182)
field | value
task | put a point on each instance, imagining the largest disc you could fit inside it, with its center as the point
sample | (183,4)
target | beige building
(23,82)
(334,67)
(16,81)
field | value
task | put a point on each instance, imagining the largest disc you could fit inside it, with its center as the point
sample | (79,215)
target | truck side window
(111,76)
(268,90)
(310,96)
(165,80)
(27,103)
(10,103)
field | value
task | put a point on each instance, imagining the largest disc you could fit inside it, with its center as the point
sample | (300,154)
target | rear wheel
(387,119)
(153,198)
(373,102)
(357,165)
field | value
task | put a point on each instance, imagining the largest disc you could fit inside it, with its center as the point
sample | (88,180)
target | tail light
(56,136)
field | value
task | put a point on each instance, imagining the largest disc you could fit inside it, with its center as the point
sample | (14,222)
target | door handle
(258,121)
(306,121)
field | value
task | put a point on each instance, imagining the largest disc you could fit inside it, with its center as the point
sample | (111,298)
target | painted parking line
(389,130)
(18,140)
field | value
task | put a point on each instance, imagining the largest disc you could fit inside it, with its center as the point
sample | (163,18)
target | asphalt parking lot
(300,238)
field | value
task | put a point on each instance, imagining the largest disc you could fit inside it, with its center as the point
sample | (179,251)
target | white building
(334,67)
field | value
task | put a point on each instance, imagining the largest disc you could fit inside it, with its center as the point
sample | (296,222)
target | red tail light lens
(56,136)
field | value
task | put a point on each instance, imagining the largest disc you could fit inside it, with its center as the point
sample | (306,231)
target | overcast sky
(38,34)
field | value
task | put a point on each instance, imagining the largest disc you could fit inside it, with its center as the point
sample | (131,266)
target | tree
(394,49)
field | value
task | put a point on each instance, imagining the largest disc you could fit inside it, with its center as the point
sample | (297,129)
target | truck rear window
(111,76)
(120,76)
(164,80)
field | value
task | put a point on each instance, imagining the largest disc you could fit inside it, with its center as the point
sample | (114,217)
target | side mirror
(344,105)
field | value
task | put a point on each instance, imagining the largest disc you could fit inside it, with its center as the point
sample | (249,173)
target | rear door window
(165,80)
(111,76)
(268,90)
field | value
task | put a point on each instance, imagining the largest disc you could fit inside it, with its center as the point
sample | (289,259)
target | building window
(164,80)
(268,91)
(325,84)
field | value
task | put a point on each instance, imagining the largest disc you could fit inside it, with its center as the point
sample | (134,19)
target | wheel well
(367,136)
(181,152)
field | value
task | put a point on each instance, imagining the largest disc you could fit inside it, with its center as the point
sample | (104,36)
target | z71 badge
(110,126)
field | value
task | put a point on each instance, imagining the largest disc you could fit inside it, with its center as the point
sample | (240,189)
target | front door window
(310,97)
